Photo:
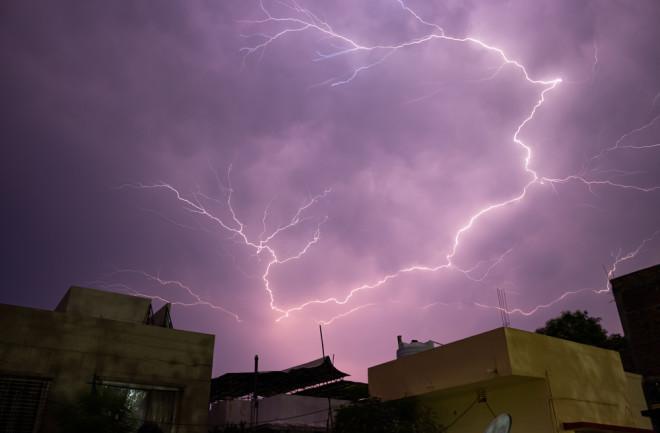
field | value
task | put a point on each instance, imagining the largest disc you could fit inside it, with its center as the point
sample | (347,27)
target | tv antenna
(504,308)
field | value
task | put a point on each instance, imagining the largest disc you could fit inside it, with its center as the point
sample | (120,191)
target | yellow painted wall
(586,383)
(542,381)
(526,402)
(473,360)
(70,349)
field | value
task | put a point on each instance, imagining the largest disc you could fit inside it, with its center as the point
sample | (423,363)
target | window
(22,400)
(148,403)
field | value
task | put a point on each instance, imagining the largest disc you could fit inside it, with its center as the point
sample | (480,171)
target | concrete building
(637,297)
(97,339)
(546,384)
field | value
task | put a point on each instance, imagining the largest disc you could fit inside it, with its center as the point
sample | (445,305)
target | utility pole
(328,421)
(254,416)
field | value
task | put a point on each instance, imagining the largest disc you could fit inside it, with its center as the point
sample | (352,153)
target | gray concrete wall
(71,348)
(283,409)
(81,301)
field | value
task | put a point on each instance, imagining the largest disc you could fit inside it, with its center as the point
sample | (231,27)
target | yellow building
(546,384)
(97,339)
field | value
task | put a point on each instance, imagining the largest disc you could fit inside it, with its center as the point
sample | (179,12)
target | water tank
(413,347)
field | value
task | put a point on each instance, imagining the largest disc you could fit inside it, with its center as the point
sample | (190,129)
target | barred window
(148,404)
(22,400)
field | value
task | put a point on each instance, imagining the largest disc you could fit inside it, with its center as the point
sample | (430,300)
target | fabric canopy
(269,383)
(340,390)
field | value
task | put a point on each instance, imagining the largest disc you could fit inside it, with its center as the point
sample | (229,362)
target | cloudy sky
(397,161)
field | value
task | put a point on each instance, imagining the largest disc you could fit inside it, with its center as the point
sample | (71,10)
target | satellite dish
(501,424)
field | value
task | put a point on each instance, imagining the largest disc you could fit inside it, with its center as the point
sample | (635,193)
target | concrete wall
(71,348)
(291,410)
(637,298)
(635,399)
(81,301)
(526,402)
(476,359)
(586,383)
(541,381)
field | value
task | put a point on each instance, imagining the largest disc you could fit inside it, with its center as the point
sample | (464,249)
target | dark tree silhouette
(375,416)
(578,326)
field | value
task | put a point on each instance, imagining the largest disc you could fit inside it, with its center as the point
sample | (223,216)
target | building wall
(476,359)
(283,409)
(526,402)
(542,381)
(71,348)
(82,301)
(635,398)
(287,410)
(637,297)
(586,383)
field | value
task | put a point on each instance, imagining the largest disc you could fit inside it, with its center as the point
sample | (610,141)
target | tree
(578,326)
(99,411)
(375,416)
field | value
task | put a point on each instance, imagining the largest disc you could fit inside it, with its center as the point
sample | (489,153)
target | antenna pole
(322,346)
(504,307)
(255,397)
(328,421)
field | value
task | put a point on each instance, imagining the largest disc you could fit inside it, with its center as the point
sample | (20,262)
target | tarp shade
(340,390)
(269,383)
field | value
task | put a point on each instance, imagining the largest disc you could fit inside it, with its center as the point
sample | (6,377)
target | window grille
(22,401)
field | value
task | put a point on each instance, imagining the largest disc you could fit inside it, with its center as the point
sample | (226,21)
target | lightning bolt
(349,312)
(196,204)
(618,259)
(304,21)
(619,143)
(130,290)
(310,22)
(655,99)
(468,272)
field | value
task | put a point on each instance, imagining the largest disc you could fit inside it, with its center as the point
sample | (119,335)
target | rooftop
(82,301)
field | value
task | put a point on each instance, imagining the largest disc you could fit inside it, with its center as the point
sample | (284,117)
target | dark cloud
(97,95)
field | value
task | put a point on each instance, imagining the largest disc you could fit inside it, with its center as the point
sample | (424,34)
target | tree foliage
(375,416)
(578,326)
(99,412)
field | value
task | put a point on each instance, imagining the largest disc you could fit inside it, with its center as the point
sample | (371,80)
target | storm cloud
(98,97)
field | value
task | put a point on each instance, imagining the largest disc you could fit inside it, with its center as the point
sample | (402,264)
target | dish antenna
(501,424)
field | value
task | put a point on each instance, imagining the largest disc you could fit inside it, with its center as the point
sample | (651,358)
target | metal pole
(255,399)
(328,421)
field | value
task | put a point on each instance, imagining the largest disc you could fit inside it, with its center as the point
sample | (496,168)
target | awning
(269,383)
(592,427)
(340,390)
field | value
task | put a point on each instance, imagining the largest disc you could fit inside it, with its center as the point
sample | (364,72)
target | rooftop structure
(637,297)
(104,341)
(303,397)
(547,384)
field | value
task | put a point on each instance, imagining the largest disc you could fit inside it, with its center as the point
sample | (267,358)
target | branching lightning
(349,312)
(619,143)
(196,204)
(302,21)
(609,274)
(199,302)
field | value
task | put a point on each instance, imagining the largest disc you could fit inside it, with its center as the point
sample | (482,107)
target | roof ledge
(592,427)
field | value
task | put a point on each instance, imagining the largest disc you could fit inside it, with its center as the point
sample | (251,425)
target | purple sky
(108,107)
